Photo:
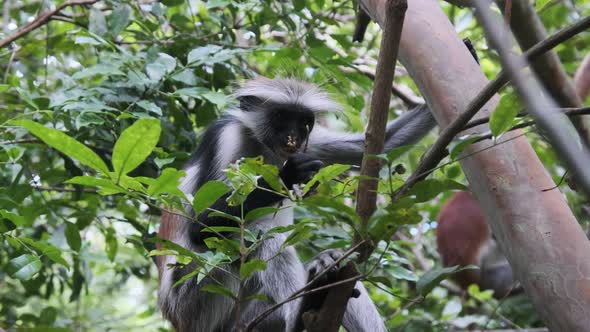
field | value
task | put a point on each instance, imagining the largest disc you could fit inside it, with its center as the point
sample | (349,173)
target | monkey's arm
(299,168)
(346,148)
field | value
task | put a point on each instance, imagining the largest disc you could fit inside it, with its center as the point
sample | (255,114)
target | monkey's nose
(291,141)
(291,144)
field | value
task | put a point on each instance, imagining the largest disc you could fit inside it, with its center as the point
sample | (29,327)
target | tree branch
(582,78)
(529,30)
(42,20)
(569,111)
(531,92)
(438,150)
(563,307)
(329,317)
(303,291)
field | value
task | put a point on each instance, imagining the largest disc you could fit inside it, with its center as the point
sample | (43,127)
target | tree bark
(529,30)
(536,230)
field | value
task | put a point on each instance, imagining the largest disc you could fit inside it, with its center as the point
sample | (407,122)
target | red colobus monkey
(274,120)
(463,237)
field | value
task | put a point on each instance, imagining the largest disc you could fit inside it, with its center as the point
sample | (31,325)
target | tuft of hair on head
(288,91)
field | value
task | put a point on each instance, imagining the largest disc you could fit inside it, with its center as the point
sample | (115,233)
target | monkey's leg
(283,276)
(190,309)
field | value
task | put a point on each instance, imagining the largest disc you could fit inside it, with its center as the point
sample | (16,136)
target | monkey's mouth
(288,150)
(290,146)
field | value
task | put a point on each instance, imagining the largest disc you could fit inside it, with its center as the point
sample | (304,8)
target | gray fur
(206,312)
(347,148)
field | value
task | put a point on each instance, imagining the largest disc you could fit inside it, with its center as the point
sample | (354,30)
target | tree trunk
(536,230)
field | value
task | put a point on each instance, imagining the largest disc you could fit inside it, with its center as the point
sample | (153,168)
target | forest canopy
(103,102)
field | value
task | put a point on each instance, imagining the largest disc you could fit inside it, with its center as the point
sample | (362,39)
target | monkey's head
(288,128)
(281,112)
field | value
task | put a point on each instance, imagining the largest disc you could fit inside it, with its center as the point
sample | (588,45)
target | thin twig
(64,189)
(22,141)
(42,20)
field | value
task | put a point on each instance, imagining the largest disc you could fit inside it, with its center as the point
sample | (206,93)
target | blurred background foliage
(94,70)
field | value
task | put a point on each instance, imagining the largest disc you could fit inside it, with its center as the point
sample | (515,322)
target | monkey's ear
(250,103)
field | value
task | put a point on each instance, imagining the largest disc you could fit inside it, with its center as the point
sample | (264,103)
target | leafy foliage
(102,106)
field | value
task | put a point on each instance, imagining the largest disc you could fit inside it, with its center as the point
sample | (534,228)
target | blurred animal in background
(463,237)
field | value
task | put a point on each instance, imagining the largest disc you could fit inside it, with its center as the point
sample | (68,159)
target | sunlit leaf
(503,117)
(73,236)
(108,187)
(24,267)
(134,145)
(167,182)
(218,289)
(433,277)
(52,252)
(208,194)
(65,144)
(251,266)
(119,19)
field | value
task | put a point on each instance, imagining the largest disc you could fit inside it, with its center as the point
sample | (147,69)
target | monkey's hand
(299,168)
(321,262)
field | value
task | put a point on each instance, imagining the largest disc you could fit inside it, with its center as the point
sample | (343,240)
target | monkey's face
(288,130)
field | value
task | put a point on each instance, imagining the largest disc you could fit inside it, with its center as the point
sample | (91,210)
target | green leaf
(260,212)
(297,235)
(248,268)
(208,194)
(24,267)
(167,183)
(15,218)
(52,252)
(4,87)
(221,229)
(135,145)
(432,278)
(187,77)
(217,98)
(101,69)
(97,23)
(111,244)
(186,277)
(48,317)
(119,19)
(6,225)
(259,297)
(73,236)
(326,174)
(26,97)
(85,40)
(256,166)
(459,146)
(150,107)
(65,144)
(226,216)
(230,247)
(108,187)
(397,152)
(504,115)
(218,289)
(161,162)
(86,119)
(399,272)
(198,54)
(172,3)
(430,188)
